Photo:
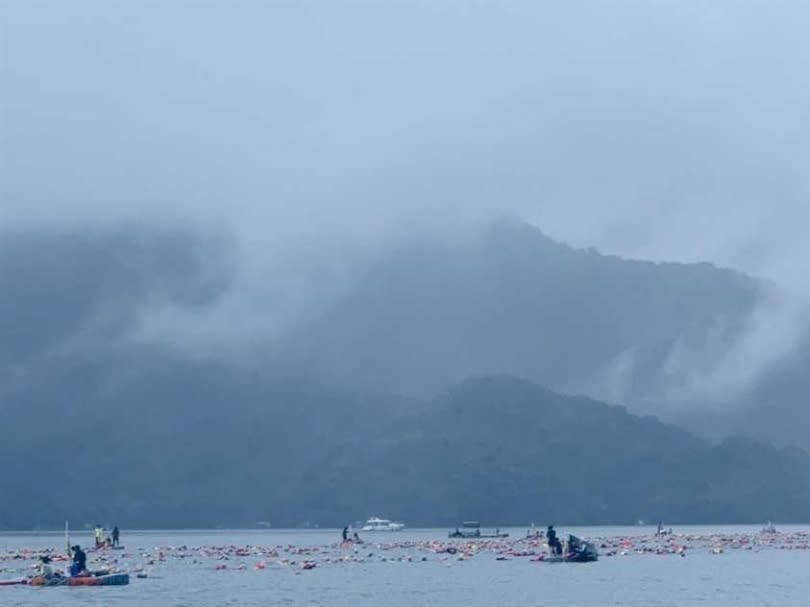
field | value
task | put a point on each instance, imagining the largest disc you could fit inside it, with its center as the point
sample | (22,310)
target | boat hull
(111,579)
(381,524)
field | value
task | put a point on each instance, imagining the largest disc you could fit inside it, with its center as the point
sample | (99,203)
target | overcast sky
(665,130)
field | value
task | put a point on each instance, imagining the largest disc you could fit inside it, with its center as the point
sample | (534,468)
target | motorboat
(576,551)
(381,524)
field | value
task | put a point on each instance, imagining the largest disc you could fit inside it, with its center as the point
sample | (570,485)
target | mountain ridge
(495,448)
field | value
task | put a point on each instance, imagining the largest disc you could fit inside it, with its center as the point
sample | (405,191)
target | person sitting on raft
(79,566)
(44,569)
(99,533)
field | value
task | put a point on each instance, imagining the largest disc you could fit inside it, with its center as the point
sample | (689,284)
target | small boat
(472,530)
(533,533)
(769,528)
(381,524)
(576,551)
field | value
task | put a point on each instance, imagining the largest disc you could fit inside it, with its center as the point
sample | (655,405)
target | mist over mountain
(775,409)
(711,348)
(512,300)
(339,418)
(65,291)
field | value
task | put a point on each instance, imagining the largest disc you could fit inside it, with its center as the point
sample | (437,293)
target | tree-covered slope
(202,445)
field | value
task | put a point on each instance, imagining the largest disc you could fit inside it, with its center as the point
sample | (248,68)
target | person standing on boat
(115,535)
(345,533)
(99,533)
(553,542)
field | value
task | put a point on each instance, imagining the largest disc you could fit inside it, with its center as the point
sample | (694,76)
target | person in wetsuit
(553,541)
(79,565)
(115,535)
(345,533)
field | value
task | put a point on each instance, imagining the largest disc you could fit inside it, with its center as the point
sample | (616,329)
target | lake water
(403,569)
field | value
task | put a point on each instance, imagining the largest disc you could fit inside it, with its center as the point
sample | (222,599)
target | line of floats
(115,567)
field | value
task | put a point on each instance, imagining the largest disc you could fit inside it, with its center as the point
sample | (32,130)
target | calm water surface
(735,578)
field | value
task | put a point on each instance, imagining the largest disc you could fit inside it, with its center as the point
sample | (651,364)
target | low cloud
(315,135)
(720,372)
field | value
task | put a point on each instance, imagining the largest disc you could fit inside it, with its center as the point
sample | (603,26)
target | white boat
(381,524)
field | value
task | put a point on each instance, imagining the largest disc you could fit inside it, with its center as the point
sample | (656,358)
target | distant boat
(381,524)
(472,530)
(769,528)
(534,533)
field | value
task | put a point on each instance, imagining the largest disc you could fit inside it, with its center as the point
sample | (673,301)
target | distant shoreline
(408,530)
